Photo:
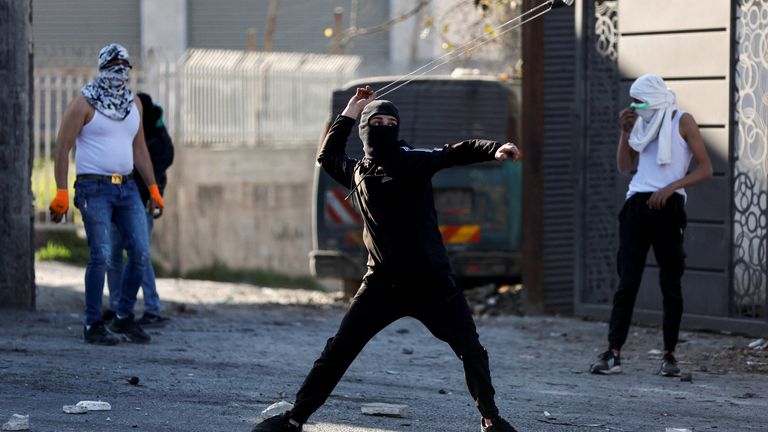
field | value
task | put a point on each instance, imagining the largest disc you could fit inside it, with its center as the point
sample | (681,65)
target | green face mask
(639,106)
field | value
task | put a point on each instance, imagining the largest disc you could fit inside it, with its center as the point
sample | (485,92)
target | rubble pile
(494,300)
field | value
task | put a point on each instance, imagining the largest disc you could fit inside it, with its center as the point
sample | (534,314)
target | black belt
(114,178)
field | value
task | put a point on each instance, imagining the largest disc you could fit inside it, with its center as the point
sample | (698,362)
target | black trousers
(641,228)
(374,308)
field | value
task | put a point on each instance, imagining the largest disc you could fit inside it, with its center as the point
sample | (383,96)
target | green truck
(478,206)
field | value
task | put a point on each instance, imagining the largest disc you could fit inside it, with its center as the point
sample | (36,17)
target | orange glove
(60,203)
(154,195)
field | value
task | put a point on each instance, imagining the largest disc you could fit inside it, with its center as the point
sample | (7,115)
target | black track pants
(641,228)
(371,311)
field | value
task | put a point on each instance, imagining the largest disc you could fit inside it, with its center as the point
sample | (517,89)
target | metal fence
(211,98)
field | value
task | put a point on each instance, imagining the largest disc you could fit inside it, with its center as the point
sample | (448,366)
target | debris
(17,422)
(655,353)
(74,409)
(95,405)
(407,351)
(392,372)
(276,409)
(491,300)
(442,391)
(403,331)
(134,380)
(686,377)
(557,334)
(385,409)
(759,344)
(678,430)
(549,416)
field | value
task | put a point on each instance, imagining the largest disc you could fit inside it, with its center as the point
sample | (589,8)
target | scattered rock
(134,380)
(276,409)
(655,353)
(403,331)
(678,430)
(442,391)
(392,372)
(74,409)
(385,409)
(407,351)
(95,405)
(686,377)
(17,422)
(557,334)
(759,344)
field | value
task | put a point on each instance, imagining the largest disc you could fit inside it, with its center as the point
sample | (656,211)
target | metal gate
(716,62)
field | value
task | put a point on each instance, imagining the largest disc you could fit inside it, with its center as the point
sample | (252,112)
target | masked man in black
(408,269)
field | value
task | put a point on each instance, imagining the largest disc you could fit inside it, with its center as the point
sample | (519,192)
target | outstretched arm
(428,162)
(332,156)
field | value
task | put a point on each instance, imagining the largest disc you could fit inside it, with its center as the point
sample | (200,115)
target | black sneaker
(99,335)
(499,425)
(669,366)
(607,363)
(108,316)
(152,320)
(278,423)
(129,329)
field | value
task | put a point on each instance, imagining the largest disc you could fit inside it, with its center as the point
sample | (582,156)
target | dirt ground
(231,350)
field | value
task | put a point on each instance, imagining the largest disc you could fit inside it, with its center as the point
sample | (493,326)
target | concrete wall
(247,208)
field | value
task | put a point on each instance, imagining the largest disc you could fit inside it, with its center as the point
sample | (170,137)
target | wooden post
(338,15)
(17,276)
(533,146)
(271,20)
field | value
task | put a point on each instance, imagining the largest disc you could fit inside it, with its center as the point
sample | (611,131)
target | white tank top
(651,176)
(105,146)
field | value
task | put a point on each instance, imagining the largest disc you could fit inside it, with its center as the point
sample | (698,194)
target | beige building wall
(244,208)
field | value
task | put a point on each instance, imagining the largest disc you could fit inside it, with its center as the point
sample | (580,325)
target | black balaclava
(379,142)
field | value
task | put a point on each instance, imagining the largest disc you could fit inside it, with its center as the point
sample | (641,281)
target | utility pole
(17,275)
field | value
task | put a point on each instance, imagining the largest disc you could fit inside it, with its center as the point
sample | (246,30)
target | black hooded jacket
(395,198)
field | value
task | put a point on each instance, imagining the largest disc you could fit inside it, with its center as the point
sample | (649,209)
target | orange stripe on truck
(460,233)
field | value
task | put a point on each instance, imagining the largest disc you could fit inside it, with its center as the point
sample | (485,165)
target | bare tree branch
(353,32)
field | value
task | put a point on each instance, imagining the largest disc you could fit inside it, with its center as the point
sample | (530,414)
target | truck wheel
(350,287)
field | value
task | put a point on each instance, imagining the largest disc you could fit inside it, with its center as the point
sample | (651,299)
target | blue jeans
(102,204)
(116,276)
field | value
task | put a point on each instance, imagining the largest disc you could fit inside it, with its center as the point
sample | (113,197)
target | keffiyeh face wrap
(655,120)
(108,92)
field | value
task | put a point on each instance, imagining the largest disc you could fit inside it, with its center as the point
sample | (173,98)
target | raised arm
(626,156)
(332,155)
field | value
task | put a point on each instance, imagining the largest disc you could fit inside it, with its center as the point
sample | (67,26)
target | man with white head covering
(657,142)
(105,122)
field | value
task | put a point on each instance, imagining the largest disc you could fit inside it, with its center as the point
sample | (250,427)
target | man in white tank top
(657,142)
(104,120)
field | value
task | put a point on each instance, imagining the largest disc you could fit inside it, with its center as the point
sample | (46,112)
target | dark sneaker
(669,366)
(278,423)
(499,425)
(607,363)
(99,335)
(129,329)
(152,320)
(108,316)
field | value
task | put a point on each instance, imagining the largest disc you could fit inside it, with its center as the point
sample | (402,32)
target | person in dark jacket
(409,273)
(161,153)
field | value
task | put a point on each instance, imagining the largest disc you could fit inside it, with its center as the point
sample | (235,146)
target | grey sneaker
(499,425)
(278,423)
(607,363)
(669,366)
